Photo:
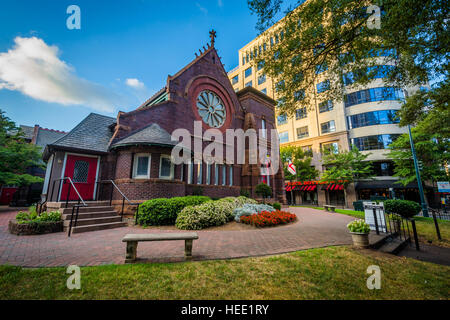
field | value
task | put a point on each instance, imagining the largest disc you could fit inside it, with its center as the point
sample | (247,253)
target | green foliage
(245,193)
(263,190)
(16,155)
(346,165)
(249,209)
(333,35)
(405,208)
(164,211)
(302,161)
(276,205)
(432,149)
(359,226)
(213,213)
(33,217)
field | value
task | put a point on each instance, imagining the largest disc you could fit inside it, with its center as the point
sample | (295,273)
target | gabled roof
(152,134)
(48,136)
(91,134)
(27,131)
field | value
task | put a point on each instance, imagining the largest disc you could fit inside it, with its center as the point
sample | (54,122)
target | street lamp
(419,181)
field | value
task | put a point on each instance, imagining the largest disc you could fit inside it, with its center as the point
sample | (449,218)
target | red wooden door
(7,195)
(82,171)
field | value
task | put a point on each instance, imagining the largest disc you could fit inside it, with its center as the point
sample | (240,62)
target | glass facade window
(264,90)
(372,118)
(301,113)
(284,136)
(282,119)
(299,95)
(375,72)
(248,72)
(199,173)
(231,175)
(327,127)
(372,95)
(376,142)
(141,166)
(249,84)
(307,150)
(325,106)
(224,175)
(332,147)
(208,173)
(261,64)
(261,79)
(383,168)
(323,86)
(216,174)
(302,132)
(235,79)
(263,127)
(321,68)
(279,86)
(165,167)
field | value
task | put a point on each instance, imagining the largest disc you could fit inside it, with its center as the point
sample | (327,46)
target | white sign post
(372,210)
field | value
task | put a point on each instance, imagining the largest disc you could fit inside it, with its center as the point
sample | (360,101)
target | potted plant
(359,230)
(264,191)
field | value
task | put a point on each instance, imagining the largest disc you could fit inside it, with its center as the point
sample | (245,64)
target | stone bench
(133,239)
(330,208)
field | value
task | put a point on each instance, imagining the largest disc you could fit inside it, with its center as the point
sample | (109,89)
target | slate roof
(28,131)
(152,134)
(48,136)
(92,134)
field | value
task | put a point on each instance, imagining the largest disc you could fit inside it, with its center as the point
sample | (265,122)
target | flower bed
(267,219)
(28,223)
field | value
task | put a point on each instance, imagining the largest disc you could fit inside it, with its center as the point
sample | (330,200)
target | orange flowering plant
(266,218)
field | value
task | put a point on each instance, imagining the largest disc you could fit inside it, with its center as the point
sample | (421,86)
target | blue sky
(54,77)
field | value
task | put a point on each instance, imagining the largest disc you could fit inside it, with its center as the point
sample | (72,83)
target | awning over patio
(333,187)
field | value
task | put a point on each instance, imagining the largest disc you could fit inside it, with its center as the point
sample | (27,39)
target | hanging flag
(291,168)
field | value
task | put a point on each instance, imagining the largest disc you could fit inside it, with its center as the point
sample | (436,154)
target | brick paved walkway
(313,229)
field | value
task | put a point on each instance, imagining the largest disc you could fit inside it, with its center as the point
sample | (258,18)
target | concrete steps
(98,215)
(394,246)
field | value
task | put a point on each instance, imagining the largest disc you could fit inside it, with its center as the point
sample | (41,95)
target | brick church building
(133,150)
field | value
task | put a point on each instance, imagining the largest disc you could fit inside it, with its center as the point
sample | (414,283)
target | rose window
(211,109)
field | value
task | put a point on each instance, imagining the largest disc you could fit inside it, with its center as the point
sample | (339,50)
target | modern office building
(364,118)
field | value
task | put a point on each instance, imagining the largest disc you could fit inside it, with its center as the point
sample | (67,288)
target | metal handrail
(124,197)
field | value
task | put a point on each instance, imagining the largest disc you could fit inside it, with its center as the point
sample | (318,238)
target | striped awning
(333,187)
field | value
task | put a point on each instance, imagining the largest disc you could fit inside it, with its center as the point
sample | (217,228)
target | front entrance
(82,170)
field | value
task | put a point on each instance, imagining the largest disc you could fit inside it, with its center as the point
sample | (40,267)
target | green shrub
(276,205)
(32,217)
(405,208)
(249,209)
(359,226)
(263,190)
(245,193)
(212,213)
(164,211)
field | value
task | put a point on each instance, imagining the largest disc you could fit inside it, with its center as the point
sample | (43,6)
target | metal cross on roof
(212,35)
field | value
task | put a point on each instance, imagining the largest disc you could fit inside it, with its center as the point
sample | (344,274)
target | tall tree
(340,36)
(433,151)
(302,161)
(16,155)
(348,166)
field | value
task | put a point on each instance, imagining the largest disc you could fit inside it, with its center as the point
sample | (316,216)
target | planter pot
(360,240)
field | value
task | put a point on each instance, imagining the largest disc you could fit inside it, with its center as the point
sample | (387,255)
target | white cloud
(220,3)
(34,68)
(135,83)
(202,9)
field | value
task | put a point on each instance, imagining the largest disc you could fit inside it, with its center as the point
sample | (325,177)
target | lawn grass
(425,227)
(327,273)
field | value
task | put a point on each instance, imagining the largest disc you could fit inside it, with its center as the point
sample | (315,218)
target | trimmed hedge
(164,211)
(405,208)
(213,213)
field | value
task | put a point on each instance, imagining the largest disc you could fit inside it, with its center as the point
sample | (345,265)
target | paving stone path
(313,229)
